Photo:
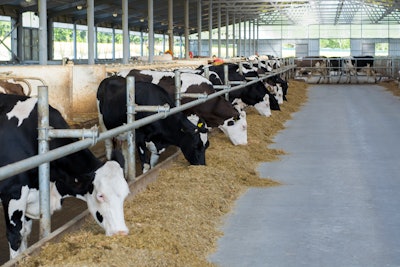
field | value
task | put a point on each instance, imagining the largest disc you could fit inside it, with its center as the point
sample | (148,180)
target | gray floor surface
(339,204)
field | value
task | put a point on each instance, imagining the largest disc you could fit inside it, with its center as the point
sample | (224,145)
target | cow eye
(231,123)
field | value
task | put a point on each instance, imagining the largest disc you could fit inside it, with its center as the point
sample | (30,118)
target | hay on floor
(176,220)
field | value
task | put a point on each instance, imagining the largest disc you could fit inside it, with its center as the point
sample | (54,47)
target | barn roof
(274,12)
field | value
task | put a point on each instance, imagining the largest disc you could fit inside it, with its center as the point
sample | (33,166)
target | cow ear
(118,157)
(202,127)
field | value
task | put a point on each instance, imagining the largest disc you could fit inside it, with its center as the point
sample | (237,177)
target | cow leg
(107,142)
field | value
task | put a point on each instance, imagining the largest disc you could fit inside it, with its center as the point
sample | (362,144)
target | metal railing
(335,68)
(91,137)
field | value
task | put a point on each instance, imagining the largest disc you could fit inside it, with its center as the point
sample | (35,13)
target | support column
(186,29)
(151,30)
(199,26)
(125,33)
(75,42)
(91,31)
(234,35)
(244,38)
(43,56)
(219,29)
(210,54)
(240,38)
(226,34)
(171,25)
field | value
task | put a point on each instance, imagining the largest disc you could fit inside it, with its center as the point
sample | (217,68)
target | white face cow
(106,201)
(263,107)
(77,175)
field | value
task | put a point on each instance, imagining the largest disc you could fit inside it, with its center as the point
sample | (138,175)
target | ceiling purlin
(282,11)
(350,9)
(377,14)
(339,12)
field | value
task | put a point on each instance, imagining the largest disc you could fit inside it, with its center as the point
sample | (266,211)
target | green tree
(5,28)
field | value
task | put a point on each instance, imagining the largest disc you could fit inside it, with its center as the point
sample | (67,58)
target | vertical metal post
(91,31)
(44,169)
(130,113)
(125,32)
(219,29)
(199,27)
(177,88)
(186,12)
(226,34)
(244,39)
(234,35)
(210,28)
(150,10)
(171,26)
(239,49)
(42,5)
(226,77)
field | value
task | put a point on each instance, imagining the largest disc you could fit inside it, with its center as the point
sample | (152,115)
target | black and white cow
(217,112)
(276,86)
(175,129)
(255,94)
(81,174)
(359,65)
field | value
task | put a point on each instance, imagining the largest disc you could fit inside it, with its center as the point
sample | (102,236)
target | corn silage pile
(176,220)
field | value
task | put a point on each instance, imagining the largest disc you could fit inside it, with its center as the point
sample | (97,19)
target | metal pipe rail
(42,160)
(32,162)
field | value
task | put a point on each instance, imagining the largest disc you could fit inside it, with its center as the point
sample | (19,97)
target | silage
(176,220)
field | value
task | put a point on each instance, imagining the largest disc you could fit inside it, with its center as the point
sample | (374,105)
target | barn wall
(394,47)
(86,79)
(72,89)
(270,47)
(313,47)
(57,78)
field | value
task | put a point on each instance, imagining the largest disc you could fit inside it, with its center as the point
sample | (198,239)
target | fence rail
(90,138)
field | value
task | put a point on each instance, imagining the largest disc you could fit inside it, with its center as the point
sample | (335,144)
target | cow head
(236,129)
(263,107)
(106,199)
(194,141)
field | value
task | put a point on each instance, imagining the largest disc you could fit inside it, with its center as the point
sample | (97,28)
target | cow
(81,175)
(7,87)
(313,66)
(275,84)
(254,94)
(217,112)
(354,66)
(175,129)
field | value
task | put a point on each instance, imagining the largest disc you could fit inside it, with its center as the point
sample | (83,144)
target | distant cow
(175,129)
(254,94)
(217,112)
(312,66)
(359,65)
(81,174)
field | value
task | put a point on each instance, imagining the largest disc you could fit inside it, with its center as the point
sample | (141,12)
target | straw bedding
(176,220)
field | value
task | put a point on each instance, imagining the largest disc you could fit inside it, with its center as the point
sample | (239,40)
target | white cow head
(236,130)
(106,201)
(263,107)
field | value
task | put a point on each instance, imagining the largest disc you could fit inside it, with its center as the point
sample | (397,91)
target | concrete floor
(339,202)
